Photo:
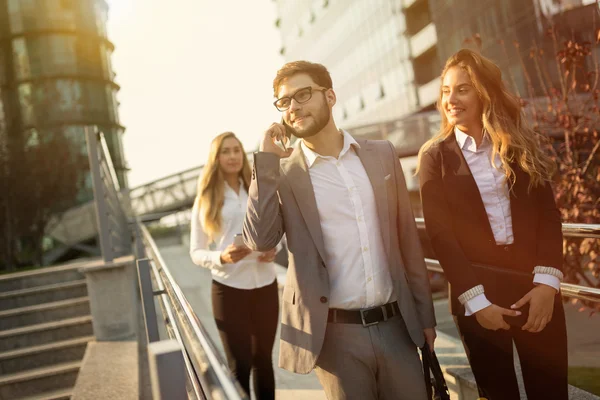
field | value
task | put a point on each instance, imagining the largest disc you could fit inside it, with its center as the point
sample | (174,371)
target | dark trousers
(543,355)
(247,323)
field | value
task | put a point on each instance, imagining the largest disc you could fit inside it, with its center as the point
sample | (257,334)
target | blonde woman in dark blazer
(487,200)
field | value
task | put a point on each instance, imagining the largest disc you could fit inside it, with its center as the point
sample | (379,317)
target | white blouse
(248,273)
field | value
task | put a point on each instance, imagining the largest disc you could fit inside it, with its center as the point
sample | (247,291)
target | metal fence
(111,202)
(207,374)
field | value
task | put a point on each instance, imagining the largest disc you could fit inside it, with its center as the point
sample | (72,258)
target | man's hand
(430,336)
(275,132)
(233,254)
(492,318)
(268,256)
(541,307)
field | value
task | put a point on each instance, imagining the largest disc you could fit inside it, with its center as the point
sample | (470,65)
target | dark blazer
(459,229)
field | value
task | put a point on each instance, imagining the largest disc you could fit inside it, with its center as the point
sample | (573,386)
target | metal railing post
(99,196)
(147,294)
(167,370)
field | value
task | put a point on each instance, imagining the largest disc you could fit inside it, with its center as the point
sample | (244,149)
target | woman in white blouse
(494,226)
(244,289)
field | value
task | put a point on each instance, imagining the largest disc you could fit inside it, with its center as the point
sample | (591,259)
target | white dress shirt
(492,186)
(247,273)
(357,264)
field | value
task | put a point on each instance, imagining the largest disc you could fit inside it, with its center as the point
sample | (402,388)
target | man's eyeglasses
(301,96)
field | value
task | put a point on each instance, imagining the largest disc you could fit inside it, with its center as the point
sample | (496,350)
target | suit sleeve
(438,223)
(411,251)
(549,246)
(263,224)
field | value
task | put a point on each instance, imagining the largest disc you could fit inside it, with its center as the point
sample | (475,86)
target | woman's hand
(268,256)
(492,318)
(233,254)
(541,307)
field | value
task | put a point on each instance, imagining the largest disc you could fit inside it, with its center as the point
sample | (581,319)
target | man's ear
(331,97)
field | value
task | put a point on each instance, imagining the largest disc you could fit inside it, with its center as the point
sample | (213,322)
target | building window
(278,22)
(381,92)
(282,51)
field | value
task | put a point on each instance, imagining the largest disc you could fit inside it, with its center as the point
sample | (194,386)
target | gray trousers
(375,362)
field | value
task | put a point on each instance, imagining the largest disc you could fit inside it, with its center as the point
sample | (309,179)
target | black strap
(436,387)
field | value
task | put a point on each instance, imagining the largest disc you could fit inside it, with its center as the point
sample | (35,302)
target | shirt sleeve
(199,245)
(477,303)
(547,279)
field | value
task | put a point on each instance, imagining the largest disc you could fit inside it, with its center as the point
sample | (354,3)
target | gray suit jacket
(281,200)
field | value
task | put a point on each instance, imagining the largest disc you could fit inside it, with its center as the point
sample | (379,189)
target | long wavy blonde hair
(211,186)
(511,136)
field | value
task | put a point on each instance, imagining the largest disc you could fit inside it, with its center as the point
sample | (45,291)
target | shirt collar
(230,189)
(467,142)
(311,156)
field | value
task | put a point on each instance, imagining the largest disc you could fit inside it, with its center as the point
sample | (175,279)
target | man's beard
(320,121)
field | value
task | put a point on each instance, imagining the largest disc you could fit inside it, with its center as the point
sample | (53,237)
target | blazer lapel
(372,163)
(455,163)
(519,206)
(298,178)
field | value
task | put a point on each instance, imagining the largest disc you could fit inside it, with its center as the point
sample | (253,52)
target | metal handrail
(211,369)
(591,231)
(174,333)
(567,289)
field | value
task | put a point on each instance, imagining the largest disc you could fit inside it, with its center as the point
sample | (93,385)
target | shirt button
(506,248)
(359,218)
(365,248)
(338,163)
(369,279)
(323,299)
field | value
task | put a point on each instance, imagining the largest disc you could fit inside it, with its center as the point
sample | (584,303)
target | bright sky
(189,70)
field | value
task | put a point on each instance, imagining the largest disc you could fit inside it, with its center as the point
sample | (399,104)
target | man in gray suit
(356,302)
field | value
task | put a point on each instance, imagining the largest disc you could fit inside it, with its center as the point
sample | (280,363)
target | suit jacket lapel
(372,163)
(519,209)
(455,162)
(296,171)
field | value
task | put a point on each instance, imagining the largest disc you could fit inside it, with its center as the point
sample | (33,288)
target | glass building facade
(55,68)
(365,46)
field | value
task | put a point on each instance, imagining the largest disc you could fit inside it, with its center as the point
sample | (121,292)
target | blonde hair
(211,186)
(511,136)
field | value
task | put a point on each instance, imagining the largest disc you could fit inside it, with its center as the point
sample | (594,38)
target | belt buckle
(364,310)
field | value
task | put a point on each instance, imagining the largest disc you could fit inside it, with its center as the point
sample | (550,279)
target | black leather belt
(366,316)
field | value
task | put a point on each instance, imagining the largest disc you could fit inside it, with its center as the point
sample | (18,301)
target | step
(60,394)
(42,277)
(39,334)
(42,294)
(40,380)
(44,355)
(41,313)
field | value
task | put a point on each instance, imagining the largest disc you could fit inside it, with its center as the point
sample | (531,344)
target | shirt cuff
(471,293)
(216,258)
(477,303)
(547,279)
